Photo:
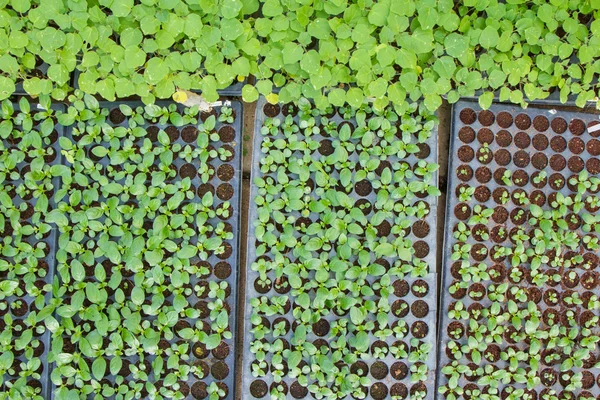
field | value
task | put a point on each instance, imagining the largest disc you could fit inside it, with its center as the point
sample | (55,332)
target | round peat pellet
(522,121)
(591,124)
(540,123)
(558,162)
(522,140)
(593,166)
(502,157)
(504,138)
(466,134)
(558,144)
(539,160)
(485,136)
(466,154)
(504,119)
(116,116)
(258,388)
(577,126)
(486,118)
(540,142)
(576,145)
(575,164)
(467,116)
(271,110)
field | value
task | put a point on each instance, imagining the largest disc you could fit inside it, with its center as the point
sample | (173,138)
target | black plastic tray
(431,278)
(50,240)
(234,221)
(451,220)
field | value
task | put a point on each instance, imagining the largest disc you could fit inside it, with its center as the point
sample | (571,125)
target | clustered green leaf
(134,297)
(324,258)
(335,52)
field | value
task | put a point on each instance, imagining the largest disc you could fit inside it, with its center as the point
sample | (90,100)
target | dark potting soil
(225,191)
(483,174)
(540,142)
(419,309)
(466,154)
(363,188)
(199,390)
(593,166)
(504,138)
(485,136)
(504,119)
(382,166)
(204,115)
(559,125)
(225,172)
(116,116)
(521,159)
(189,134)
(379,370)
(486,118)
(420,229)
(576,145)
(172,132)
(522,140)
(326,147)
(298,391)
(321,327)
(379,390)
(401,288)
(577,127)
(271,110)
(539,160)
(540,123)
(576,164)
(558,144)
(227,134)
(482,194)
(593,147)
(558,162)
(187,171)
(522,121)
(424,151)
(421,249)
(220,370)
(502,157)
(359,368)
(419,329)
(466,134)
(399,390)
(384,229)
(467,116)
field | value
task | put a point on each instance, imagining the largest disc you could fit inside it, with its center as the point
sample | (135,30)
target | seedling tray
(46,262)
(226,186)
(528,143)
(253,385)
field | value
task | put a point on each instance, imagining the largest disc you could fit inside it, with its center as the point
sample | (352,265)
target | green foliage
(336,52)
